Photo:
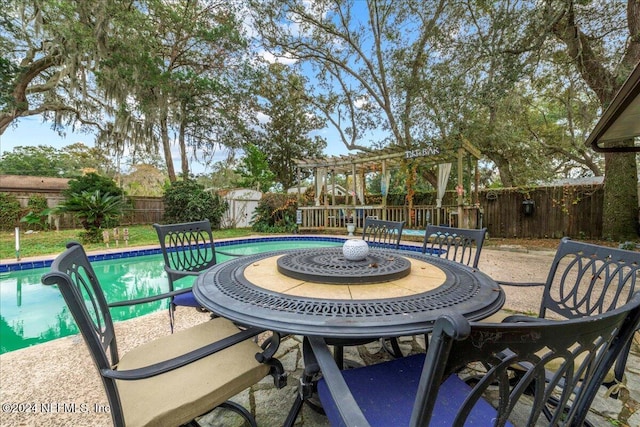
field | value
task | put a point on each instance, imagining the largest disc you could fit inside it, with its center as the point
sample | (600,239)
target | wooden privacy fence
(143,210)
(139,210)
(571,210)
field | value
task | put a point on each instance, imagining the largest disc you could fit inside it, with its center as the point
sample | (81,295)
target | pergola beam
(434,155)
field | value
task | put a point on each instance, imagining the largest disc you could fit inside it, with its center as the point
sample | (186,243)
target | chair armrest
(344,400)
(521,318)
(181,273)
(523,284)
(276,370)
(182,360)
(149,299)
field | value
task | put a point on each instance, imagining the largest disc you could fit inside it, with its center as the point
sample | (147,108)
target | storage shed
(242,204)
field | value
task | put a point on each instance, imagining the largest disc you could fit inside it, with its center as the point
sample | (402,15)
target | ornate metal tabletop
(252,291)
(328,265)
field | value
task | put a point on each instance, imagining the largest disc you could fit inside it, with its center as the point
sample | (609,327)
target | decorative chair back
(187,248)
(587,279)
(73,274)
(381,233)
(461,245)
(465,363)
(574,355)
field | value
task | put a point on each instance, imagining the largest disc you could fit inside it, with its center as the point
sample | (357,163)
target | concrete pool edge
(9,265)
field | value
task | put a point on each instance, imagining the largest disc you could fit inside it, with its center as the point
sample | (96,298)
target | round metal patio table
(285,291)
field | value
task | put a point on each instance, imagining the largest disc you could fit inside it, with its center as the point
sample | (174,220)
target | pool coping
(7,266)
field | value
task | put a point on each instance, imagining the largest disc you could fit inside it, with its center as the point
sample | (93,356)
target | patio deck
(56,383)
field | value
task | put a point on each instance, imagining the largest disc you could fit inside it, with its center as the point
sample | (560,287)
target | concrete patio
(57,385)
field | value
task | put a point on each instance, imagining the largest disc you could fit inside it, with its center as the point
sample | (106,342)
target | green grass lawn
(53,242)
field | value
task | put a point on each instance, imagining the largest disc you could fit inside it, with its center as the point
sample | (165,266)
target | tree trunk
(503,166)
(620,212)
(620,207)
(166,147)
(184,162)
(183,146)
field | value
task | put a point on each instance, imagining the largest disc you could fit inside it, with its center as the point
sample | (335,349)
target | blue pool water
(31,313)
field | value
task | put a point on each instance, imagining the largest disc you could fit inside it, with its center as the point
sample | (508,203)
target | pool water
(32,313)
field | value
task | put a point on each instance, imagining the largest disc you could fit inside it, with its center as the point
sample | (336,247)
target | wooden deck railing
(336,217)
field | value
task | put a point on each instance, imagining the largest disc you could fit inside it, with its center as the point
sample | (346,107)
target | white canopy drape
(384,183)
(360,189)
(321,180)
(444,169)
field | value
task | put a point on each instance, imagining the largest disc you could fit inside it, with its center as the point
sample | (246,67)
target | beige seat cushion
(178,396)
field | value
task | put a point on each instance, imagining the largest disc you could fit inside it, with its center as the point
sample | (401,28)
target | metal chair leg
(240,410)
(172,309)
(391,346)
(294,411)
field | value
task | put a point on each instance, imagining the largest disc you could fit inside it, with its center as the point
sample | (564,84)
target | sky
(31,131)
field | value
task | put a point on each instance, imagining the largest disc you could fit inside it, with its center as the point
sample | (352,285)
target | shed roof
(32,183)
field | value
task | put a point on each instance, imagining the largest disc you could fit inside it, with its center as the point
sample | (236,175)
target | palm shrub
(187,201)
(93,182)
(93,209)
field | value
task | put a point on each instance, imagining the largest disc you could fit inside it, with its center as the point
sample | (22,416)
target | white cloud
(285,59)
(360,101)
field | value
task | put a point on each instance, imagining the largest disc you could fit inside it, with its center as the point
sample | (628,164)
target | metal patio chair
(461,245)
(585,280)
(187,249)
(430,389)
(381,233)
(173,379)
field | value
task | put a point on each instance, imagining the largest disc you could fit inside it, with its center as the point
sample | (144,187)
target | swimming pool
(32,313)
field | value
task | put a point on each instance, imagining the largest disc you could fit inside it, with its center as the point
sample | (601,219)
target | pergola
(384,160)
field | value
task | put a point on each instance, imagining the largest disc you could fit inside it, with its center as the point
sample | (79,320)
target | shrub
(10,211)
(187,201)
(275,213)
(92,182)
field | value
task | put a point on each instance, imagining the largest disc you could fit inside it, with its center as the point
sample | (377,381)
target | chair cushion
(186,300)
(178,396)
(386,392)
